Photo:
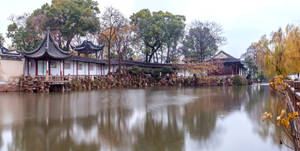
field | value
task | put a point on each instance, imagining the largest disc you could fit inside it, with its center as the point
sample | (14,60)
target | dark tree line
(159,36)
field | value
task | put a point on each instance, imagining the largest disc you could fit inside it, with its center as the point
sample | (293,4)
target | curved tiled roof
(87,47)
(47,49)
(225,57)
(10,52)
(86,59)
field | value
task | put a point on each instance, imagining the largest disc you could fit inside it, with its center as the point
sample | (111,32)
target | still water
(173,119)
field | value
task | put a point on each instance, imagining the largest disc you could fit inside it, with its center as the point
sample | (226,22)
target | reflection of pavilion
(96,123)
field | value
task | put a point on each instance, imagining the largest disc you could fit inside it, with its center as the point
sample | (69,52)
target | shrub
(238,80)
(166,70)
(155,73)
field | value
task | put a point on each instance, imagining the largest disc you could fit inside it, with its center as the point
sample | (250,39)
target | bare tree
(124,38)
(112,21)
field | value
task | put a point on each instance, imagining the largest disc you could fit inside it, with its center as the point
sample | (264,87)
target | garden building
(231,65)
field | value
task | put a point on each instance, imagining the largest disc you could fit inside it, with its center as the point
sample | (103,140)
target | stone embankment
(117,80)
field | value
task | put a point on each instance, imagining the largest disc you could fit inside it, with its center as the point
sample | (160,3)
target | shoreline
(121,80)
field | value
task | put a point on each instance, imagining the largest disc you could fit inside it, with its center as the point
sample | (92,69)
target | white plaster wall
(10,69)
(98,67)
(31,68)
(93,69)
(56,70)
(82,70)
(86,69)
(114,68)
(42,67)
(71,70)
(105,69)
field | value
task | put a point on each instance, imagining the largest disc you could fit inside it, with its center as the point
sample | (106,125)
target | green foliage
(174,30)
(157,29)
(202,40)
(155,73)
(252,67)
(261,76)
(67,18)
(1,40)
(23,34)
(238,80)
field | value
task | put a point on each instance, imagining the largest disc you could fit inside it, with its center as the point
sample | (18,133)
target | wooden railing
(293,101)
(51,78)
(293,90)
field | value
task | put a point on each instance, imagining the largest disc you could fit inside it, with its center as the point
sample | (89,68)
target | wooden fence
(293,90)
(293,94)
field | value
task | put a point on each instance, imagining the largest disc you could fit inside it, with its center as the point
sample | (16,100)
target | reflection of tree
(261,99)
(34,136)
(113,128)
(200,116)
(199,124)
(96,121)
(158,136)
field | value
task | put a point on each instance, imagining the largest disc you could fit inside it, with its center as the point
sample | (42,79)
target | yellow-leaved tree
(280,55)
(292,52)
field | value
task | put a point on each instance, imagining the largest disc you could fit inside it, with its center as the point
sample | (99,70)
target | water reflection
(139,119)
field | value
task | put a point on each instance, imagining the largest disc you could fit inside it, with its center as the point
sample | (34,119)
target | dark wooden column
(77,68)
(88,69)
(63,67)
(36,67)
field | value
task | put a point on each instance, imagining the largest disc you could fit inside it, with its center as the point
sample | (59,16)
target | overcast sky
(243,21)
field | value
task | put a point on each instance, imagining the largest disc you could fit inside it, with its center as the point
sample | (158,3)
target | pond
(154,119)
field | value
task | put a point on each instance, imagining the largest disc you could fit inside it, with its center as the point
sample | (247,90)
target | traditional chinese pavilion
(87,47)
(49,59)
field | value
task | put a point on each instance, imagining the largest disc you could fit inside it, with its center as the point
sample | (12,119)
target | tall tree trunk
(168,55)
(68,44)
(119,55)
(151,54)
(150,57)
(146,57)
(161,56)
(108,56)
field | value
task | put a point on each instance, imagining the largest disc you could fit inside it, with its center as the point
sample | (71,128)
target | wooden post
(88,69)
(28,74)
(63,64)
(36,67)
(48,69)
(60,67)
(76,68)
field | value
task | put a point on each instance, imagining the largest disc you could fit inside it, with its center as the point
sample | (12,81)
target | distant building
(49,59)
(11,68)
(231,66)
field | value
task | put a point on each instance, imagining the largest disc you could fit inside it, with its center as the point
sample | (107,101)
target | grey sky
(243,21)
